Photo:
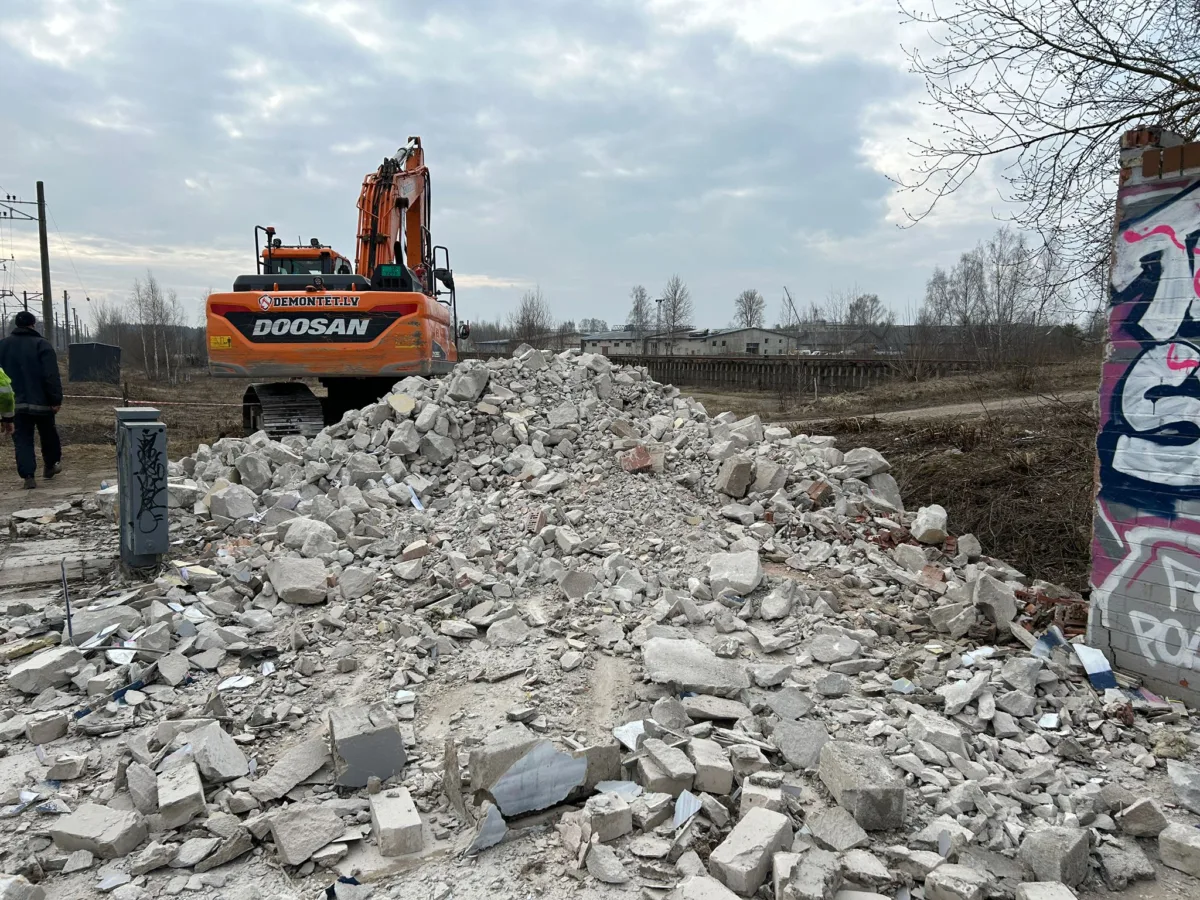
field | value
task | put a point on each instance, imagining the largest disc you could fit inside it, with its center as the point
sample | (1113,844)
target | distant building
(613,343)
(736,342)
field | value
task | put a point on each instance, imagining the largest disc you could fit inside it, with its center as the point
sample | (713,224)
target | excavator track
(282,408)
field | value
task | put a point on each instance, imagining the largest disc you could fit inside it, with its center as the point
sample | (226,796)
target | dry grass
(1061,378)
(1022,481)
(201,409)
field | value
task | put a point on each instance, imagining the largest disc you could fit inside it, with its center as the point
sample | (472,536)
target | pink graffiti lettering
(1176,364)
(1133,237)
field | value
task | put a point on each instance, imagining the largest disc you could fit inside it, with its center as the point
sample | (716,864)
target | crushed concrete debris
(719,658)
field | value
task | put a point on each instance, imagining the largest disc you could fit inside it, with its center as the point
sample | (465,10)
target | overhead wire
(70,258)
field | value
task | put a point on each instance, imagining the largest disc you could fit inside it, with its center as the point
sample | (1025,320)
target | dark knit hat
(25,319)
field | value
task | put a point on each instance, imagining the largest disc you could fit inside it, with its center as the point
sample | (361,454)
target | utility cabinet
(142,486)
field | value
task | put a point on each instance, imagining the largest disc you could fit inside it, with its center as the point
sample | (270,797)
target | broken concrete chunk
(1179,848)
(688,665)
(1056,854)
(497,754)
(801,742)
(180,794)
(1044,890)
(396,822)
(739,573)
(816,877)
(734,476)
(365,741)
(45,669)
(609,815)
(299,581)
(714,771)
(604,865)
(16,887)
(1143,819)
(743,860)
(101,830)
(835,829)
(217,755)
(298,763)
(929,526)
(864,784)
(953,882)
(300,830)
(995,599)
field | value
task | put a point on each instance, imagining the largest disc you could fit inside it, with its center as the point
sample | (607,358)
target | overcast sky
(581,146)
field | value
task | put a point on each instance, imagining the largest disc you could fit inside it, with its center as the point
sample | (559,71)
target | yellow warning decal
(220,342)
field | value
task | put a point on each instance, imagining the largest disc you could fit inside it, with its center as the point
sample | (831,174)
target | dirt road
(969,409)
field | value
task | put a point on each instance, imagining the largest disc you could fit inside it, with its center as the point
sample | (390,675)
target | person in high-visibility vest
(8,403)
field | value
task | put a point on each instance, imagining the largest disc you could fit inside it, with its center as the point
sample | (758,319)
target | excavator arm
(394,215)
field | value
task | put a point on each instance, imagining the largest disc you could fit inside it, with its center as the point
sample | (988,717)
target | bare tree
(749,309)
(997,296)
(592,326)
(1047,87)
(676,308)
(639,317)
(531,320)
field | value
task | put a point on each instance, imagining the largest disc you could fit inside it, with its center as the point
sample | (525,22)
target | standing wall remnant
(1145,609)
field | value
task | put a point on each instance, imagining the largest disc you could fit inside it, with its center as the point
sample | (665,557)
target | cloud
(67,34)
(583,148)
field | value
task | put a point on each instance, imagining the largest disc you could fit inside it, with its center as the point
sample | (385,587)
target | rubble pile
(719,659)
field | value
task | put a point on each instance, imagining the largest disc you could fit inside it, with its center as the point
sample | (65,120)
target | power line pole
(47,297)
(66,321)
(9,210)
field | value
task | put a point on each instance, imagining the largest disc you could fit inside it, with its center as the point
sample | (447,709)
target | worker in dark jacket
(29,360)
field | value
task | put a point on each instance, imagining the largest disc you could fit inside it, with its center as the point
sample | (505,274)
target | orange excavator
(306,314)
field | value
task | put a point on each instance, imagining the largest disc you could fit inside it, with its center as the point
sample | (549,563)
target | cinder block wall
(1145,575)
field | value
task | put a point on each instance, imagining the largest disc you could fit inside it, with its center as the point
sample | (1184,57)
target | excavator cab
(313,258)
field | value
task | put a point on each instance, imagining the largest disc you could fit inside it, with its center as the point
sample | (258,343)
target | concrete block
(299,581)
(673,761)
(924,725)
(609,815)
(801,742)
(1179,848)
(365,741)
(396,822)
(929,526)
(743,860)
(835,829)
(817,876)
(1056,854)
(16,887)
(952,882)
(739,572)
(652,777)
(103,831)
(217,755)
(180,794)
(1144,819)
(734,476)
(864,784)
(46,727)
(689,665)
(47,668)
(1044,890)
(701,887)
(497,753)
(759,796)
(300,830)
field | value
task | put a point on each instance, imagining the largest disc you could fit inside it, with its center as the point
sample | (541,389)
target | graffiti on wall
(1146,546)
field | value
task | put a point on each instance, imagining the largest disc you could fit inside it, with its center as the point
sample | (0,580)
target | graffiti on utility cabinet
(1146,544)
